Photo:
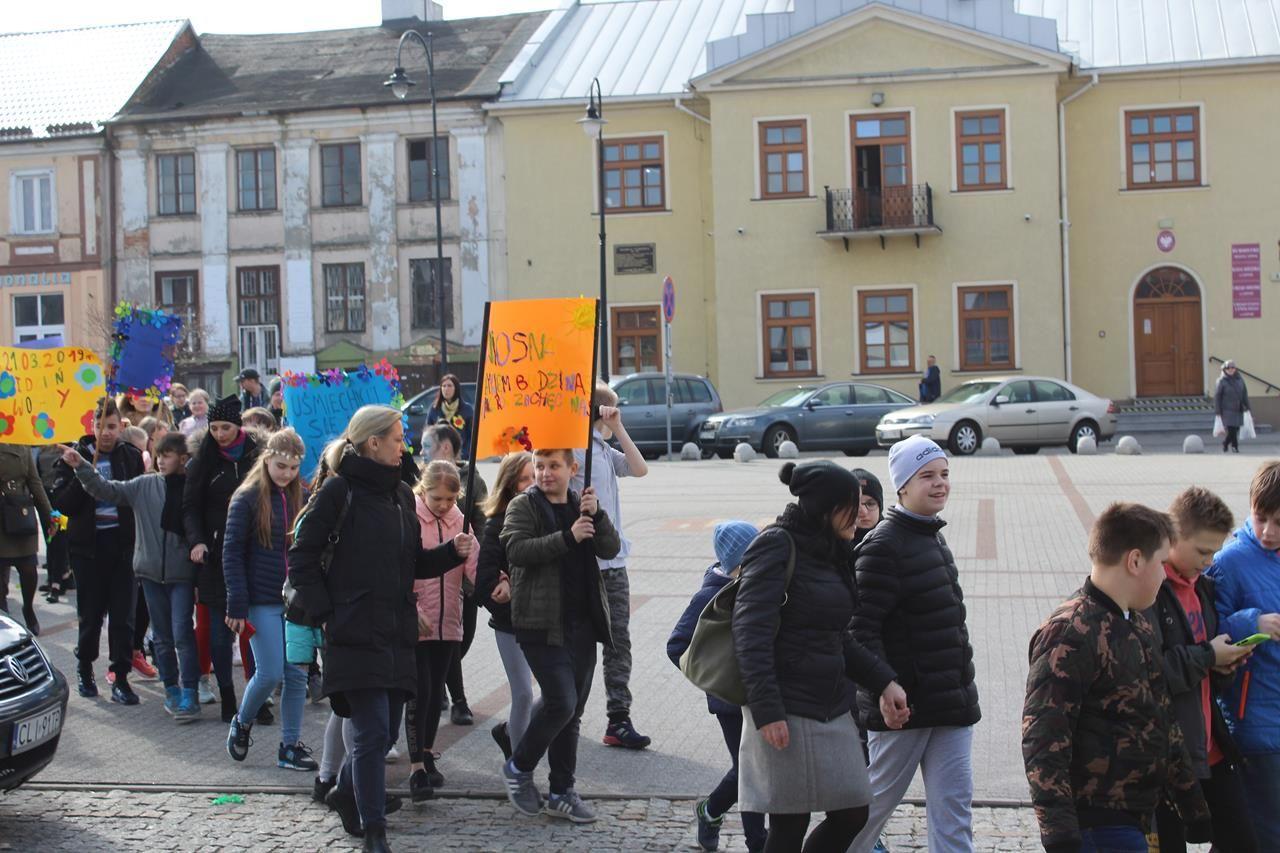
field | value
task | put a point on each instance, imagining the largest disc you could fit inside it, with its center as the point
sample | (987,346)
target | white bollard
(1193,444)
(690,452)
(1128,446)
(1087,446)
(743,453)
(990,446)
(788,450)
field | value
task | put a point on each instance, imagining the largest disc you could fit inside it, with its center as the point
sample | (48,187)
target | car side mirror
(417,409)
(812,404)
(622,403)
(1000,401)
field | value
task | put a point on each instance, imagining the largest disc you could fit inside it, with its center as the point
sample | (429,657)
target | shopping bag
(1219,431)
(1247,430)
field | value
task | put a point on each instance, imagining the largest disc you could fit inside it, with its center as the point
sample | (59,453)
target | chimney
(420,10)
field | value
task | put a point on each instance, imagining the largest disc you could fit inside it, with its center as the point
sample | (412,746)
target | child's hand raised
(611,416)
(583,529)
(464,543)
(589,505)
(71,456)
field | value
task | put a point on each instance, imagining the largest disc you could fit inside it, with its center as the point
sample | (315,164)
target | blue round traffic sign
(668,299)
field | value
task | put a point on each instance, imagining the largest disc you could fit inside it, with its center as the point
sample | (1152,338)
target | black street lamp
(592,125)
(399,83)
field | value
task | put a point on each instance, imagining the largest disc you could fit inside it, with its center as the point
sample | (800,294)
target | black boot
(375,840)
(229,706)
(321,788)
(344,803)
(420,789)
(88,687)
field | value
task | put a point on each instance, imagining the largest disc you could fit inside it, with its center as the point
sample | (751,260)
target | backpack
(710,662)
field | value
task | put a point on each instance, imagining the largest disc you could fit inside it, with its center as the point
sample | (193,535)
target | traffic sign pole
(668,314)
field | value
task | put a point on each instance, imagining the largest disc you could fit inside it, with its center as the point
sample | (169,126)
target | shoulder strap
(791,563)
(326,555)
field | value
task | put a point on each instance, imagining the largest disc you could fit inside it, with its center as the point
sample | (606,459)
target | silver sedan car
(1024,413)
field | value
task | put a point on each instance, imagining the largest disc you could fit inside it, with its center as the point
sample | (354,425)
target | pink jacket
(440,599)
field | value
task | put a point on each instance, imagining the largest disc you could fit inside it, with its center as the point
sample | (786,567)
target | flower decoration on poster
(143,346)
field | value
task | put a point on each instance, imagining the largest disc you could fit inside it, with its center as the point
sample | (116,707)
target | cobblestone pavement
(86,822)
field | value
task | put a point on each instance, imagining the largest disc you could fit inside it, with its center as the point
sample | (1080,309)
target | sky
(234,16)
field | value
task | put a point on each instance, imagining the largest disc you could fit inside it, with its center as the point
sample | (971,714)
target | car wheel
(965,439)
(774,438)
(724,454)
(861,451)
(1025,450)
(1084,429)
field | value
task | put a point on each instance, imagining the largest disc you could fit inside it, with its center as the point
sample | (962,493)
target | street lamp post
(592,125)
(399,84)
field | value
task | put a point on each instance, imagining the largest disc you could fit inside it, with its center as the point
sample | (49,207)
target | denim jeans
(375,717)
(1113,839)
(1261,778)
(564,676)
(171,605)
(220,640)
(270,670)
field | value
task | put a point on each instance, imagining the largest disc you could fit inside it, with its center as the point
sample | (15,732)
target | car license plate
(33,731)
(707,433)
(891,433)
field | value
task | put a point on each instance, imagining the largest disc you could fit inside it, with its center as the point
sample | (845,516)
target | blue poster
(319,405)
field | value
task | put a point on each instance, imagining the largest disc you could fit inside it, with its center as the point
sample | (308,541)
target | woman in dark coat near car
(366,602)
(1230,402)
(799,663)
(450,408)
(24,495)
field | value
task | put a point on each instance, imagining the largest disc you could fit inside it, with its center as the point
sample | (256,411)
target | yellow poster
(537,375)
(48,395)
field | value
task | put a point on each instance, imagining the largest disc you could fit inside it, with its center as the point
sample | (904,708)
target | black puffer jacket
(911,613)
(793,644)
(69,497)
(366,600)
(492,563)
(211,481)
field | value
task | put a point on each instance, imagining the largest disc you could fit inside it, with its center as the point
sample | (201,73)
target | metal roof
(640,48)
(68,82)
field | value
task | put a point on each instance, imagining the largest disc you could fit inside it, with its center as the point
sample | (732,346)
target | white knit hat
(909,456)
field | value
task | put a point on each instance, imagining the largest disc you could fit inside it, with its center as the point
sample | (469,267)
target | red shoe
(145,671)
(111,676)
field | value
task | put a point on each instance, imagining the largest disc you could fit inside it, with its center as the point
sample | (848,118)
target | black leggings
(457,689)
(141,622)
(422,713)
(1232,440)
(833,835)
(27,577)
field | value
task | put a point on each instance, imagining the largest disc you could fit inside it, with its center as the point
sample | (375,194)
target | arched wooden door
(1168,348)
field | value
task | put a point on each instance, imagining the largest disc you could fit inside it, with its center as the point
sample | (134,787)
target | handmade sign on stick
(320,405)
(143,347)
(48,395)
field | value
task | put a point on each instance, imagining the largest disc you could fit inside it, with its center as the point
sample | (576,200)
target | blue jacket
(254,574)
(1248,585)
(712,582)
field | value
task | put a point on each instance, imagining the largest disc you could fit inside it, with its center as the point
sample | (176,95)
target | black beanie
(821,486)
(227,409)
(870,486)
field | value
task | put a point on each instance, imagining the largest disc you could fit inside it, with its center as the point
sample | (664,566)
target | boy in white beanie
(911,615)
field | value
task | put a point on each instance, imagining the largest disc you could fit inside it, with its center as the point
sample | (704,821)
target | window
(836,395)
(887,344)
(637,340)
(340,175)
(176,181)
(257,178)
(1052,392)
(633,174)
(868,395)
(344,297)
(176,293)
(980,151)
(38,317)
(784,166)
(258,289)
(1018,392)
(789,332)
(1163,148)
(420,160)
(32,202)
(691,391)
(426,293)
(636,393)
(986,327)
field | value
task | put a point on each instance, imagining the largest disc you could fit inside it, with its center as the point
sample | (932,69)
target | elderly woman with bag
(356,553)
(799,663)
(24,513)
(1231,404)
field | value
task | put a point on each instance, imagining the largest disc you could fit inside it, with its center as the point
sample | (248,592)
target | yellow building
(846,188)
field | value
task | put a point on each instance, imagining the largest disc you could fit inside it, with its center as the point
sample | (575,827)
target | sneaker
(320,788)
(111,677)
(569,806)
(434,775)
(205,691)
(502,738)
(86,686)
(238,740)
(393,755)
(122,693)
(624,734)
(420,789)
(708,827)
(296,757)
(188,706)
(880,846)
(393,804)
(521,791)
(145,670)
(172,699)
(265,717)
(461,714)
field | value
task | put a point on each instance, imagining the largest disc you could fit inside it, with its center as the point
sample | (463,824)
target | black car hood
(11,633)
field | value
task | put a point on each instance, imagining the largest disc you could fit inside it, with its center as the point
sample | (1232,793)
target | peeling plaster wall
(473,230)
(215,306)
(134,281)
(297,284)
(382,279)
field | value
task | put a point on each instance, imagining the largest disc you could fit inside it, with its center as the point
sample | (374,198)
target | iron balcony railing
(883,209)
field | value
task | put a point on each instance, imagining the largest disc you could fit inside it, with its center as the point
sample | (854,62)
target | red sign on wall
(1246,281)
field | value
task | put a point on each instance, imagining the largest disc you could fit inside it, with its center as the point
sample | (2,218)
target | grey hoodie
(159,555)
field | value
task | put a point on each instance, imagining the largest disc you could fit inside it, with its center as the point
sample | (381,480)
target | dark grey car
(417,406)
(642,397)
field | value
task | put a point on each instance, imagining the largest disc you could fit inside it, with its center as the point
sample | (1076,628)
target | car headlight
(924,420)
(740,423)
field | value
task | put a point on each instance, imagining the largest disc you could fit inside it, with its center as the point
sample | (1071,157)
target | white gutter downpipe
(679,105)
(1065,221)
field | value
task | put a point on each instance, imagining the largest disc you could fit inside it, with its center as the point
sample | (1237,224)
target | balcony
(854,214)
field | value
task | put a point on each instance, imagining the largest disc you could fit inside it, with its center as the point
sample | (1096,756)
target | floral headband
(291,457)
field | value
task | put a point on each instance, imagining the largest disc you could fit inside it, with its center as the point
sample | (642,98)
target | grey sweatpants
(617,660)
(943,756)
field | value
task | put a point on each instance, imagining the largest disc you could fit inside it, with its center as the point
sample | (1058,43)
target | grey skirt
(821,770)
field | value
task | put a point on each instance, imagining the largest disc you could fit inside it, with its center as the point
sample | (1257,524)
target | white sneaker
(206,691)
(393,755)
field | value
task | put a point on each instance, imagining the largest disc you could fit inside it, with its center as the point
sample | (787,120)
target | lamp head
(592,124)
(399,83)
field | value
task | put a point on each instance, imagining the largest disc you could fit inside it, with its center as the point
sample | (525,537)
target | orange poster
(537,375)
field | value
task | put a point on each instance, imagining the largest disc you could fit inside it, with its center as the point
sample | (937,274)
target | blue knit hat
(731,541)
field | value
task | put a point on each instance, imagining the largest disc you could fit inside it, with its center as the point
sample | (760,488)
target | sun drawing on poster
(581,317)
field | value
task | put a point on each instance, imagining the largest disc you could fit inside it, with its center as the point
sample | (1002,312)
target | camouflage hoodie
(1098,732)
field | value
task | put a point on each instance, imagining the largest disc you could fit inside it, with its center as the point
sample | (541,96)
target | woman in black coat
(1230,402)
(450,408)
(800,750)
(365,601)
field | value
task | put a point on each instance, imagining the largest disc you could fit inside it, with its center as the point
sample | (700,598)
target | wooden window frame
(260,187)
(885,318)
(621,165)
(430,317)
(767,323)
(904,140)
(986,314)
(1151,139)
(617,333)
(191,323)
(1000,137)
(345,266)
(784,148)
(431,150)
(343,149)
(259,298)
(178,157)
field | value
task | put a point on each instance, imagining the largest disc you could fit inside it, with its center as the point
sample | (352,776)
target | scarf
(235,449)
(171,514)
(449,408)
